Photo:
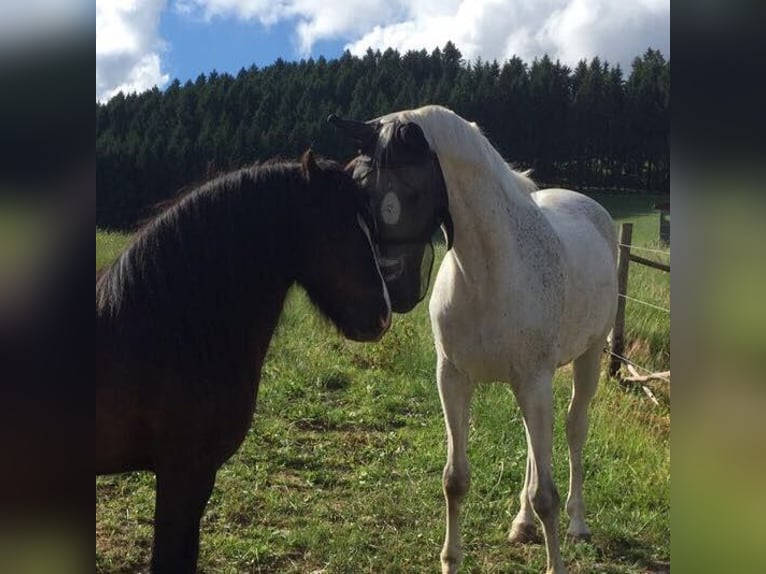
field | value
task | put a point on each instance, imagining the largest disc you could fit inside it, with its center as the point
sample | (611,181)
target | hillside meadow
(341,470)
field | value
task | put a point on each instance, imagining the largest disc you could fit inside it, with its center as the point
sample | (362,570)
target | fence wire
(649,249)
(628,298)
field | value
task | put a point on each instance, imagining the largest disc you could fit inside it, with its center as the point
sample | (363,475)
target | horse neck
(487,200)
(487,205)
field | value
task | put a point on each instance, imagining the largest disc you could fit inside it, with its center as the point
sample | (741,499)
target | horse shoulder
(451,308)
(443,302)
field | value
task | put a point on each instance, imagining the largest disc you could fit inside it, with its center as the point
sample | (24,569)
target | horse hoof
(524,534)
(450,564)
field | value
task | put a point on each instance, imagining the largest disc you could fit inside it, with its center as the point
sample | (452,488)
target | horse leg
(536,403)
(181,497)
(455,391)
(524,526)
(586,374)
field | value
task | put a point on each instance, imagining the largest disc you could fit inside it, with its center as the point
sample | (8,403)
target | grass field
(341,471)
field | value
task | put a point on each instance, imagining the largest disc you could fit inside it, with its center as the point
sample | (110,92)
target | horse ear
(413,137)
(362,134)
(309,165)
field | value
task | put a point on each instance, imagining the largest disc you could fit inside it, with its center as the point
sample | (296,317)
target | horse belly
(145,418)
(586,324)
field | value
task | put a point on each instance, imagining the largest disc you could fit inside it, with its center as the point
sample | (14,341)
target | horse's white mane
(451,136)
(525,179)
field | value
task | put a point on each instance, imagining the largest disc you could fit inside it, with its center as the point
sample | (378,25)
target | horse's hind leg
(586,374)
(181,498)
(455,391)
(536,403)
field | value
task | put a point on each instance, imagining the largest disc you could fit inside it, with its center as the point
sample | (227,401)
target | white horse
(528,285)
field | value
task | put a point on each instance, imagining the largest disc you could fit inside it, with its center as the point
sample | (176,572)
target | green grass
(341,470)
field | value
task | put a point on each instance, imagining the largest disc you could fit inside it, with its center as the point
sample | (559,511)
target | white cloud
(330,19)
(491,29)
(498,29)
(617,31)
(128,46)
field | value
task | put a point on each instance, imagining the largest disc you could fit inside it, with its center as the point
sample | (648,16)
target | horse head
(340,271)
(408,198)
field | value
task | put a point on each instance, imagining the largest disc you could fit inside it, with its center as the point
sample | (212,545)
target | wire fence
(617,344)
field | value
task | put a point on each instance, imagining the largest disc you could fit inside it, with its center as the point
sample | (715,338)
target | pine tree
(581,127)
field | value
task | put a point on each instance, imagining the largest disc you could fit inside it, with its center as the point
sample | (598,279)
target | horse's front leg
(181,498)
(455,391)
(524,526)
(535,398)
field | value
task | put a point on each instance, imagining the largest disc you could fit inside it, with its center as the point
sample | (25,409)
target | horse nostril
(391,269)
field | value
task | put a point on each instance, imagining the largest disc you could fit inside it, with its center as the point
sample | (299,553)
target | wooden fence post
(618,333)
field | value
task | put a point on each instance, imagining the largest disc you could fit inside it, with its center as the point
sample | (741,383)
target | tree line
(583,127)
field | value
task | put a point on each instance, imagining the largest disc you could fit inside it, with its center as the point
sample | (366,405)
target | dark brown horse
(184,318)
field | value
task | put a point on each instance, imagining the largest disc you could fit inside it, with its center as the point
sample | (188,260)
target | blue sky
(146,43)
(227,45)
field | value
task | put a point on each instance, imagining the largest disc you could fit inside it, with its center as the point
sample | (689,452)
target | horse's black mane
(224,240)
